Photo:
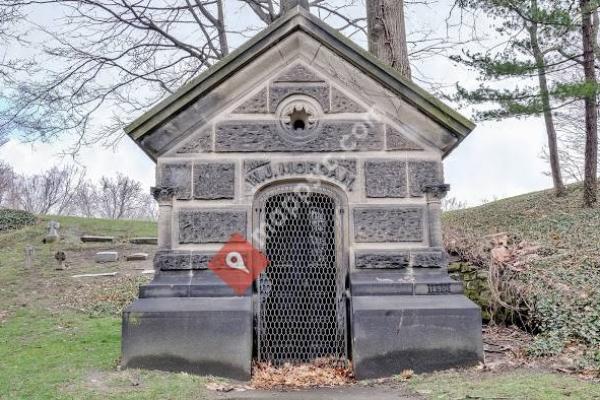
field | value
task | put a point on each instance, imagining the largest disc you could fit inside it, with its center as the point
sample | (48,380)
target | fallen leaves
(321,372)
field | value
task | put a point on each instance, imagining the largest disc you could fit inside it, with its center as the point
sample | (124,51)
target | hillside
(60,335)
(541,255)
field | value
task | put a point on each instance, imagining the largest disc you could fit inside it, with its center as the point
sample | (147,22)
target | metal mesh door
(302,309)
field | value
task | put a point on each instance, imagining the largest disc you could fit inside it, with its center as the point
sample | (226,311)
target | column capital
(436,192)
(162,193)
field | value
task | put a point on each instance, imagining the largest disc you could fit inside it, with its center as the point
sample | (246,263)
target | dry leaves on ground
(319,373)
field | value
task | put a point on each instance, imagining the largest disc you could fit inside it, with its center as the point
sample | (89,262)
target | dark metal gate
(301,313)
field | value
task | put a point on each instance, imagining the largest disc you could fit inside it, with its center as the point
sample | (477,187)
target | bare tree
(120,197)
(7,181)
(122,56)
(51,192)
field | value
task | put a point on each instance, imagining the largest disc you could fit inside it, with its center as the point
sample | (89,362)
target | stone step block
(107,256)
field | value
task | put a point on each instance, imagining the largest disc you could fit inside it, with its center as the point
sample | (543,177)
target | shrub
(15,219)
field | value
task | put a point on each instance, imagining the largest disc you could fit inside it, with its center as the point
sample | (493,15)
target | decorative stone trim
(340,103)
(214,181)
(257,172)
(422,174)
(436,192)
(177,176)
(428,259)
(385,179)
(201,143)
(265,136)
(298,73)
(173,260)
(162,194)
(280,91)
(381,259)
(397,141)
(210,226)
(388,224)
(256,104)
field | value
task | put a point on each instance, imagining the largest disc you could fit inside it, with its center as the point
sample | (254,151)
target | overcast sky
(499,159)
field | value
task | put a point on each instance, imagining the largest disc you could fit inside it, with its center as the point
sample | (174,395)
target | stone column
(435,194)
(164,197)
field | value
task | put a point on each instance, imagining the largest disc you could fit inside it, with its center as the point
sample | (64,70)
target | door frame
(341,238)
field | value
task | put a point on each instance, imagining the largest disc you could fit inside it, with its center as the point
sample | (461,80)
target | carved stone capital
(162,193)
(436,192)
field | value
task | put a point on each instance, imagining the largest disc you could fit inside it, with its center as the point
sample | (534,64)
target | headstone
(107,256)
(136,257)
(29,253)
(60,258)
(97,239)
(144,240)
(52,235)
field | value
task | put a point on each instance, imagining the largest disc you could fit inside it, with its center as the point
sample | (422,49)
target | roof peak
(287,5)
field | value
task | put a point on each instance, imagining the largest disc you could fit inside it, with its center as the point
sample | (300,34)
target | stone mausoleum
(330,164)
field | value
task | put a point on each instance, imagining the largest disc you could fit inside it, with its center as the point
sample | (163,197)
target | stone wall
(381,170)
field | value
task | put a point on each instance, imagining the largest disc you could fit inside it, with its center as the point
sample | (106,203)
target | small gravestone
(136,257)
(29,253)
(60,258)
(96,239)
(52,235)
(107,256)
(144,240)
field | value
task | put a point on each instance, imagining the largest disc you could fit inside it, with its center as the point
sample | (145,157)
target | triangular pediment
(298,55)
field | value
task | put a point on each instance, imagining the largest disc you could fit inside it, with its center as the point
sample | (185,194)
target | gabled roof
(299,19)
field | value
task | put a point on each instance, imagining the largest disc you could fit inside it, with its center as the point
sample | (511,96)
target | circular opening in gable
(299,118)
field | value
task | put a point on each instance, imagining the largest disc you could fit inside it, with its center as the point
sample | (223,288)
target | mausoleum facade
(331,165)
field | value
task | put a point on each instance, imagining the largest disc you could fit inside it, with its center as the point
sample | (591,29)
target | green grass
(52,350)
(74,356)
(521,385)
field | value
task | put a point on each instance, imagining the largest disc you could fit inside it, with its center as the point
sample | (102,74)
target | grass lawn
(60,336)
(519,385)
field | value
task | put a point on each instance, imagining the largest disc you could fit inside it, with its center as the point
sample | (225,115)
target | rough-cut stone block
(381,259)
(200,259)
(318,91)
(106,256)
(144,240)
(256,104)
(397,141)
(422,173)
(136,257)
(200,143)
(386,179)
(264,136)
(257,172)
(420,333)
(97,239)
(214,181)
(428,259)
(388,224)
(298,73)
(171,260)
(210,226)
(177,176)
(340,103)
(205,336)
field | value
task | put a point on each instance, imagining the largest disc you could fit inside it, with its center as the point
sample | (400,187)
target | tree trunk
(387,33)
(540,62)
(224,46)
(590,181)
